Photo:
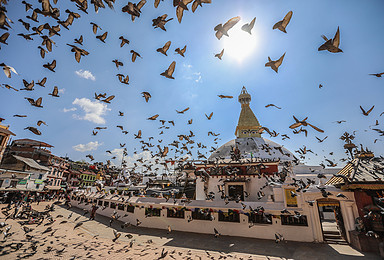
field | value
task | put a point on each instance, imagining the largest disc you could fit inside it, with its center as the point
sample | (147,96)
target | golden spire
(248,125)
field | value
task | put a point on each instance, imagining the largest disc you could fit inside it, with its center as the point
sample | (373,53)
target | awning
(53,187)
(32,163)
(331,204)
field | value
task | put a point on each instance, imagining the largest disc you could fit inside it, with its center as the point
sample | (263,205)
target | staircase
(334,237)
(331,233)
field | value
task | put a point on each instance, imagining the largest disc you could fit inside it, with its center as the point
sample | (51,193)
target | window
(201,214)
(175,213)
(259,218)
(152,212)
(113,205)
(130,208)
(40,176)
(120,206)
(106,203)
(37,186)
(13,184)
(230,216)
(100,203)
(294,220)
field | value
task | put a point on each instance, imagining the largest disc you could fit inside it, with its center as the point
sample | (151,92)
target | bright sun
(239,44)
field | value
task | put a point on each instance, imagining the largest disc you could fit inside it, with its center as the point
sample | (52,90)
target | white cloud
(65,110)
(189,66)
(94,110)
(62,90)
(86,74)
(190,74)
(198,75)
(87,147)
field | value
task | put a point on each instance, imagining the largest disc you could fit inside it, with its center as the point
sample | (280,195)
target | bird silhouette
(281,25)
(274,64)
(249,26)
(165,48)
(220,55)
(366,113)
(331,45)
(223,29)
(169,72)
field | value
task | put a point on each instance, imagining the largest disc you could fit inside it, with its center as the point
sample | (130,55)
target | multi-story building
(40,152)
(20,173)
(59,168)
(88,178)
(72,178)
(5,134)
(28,148)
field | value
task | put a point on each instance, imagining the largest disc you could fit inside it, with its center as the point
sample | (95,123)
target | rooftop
(361,170)
(30,142)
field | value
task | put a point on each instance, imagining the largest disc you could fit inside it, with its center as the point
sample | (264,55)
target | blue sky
(200,77)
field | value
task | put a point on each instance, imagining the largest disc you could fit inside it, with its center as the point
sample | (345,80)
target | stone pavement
(246,247)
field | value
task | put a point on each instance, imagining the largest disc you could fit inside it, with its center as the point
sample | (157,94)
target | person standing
(93,211)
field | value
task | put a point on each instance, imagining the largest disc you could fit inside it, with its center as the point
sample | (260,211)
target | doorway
(332,223)
(235,192)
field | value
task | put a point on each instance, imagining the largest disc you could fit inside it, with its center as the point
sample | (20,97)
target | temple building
(249,142)
(246,188)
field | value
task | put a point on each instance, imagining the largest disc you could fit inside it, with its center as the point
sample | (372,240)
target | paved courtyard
(246,247)
(93,240)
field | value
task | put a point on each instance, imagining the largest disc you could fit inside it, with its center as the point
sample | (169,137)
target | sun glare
(240,44)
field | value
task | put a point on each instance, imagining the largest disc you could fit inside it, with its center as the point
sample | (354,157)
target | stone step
(331,233)
(334,241)
(334,238)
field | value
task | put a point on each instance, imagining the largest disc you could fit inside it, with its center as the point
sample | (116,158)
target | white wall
(263,231)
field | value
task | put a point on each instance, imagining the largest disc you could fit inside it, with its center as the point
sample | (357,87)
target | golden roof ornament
(248,125)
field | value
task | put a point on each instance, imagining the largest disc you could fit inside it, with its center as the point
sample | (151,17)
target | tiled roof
(361,170)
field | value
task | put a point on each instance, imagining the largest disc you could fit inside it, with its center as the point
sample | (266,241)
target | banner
(291,201)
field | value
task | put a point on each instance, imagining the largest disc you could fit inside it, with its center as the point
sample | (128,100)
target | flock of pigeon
(184,145)
(31,233)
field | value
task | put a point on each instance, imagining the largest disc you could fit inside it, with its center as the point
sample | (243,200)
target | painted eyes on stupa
(249,132)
